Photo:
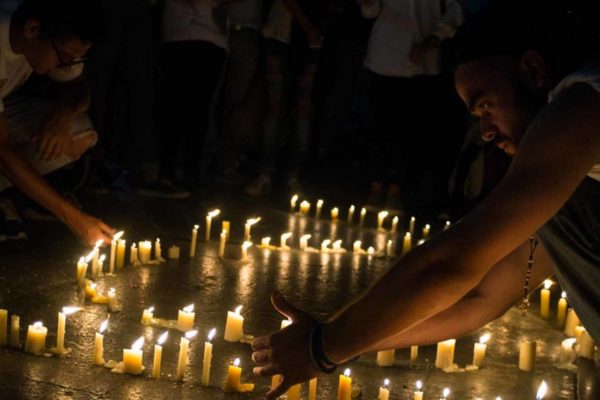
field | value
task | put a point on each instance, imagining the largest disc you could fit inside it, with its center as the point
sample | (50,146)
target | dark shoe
(162,189)
(11,223)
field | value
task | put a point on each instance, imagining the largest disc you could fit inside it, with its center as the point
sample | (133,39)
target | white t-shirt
(591,76)
(14,68)
(196,20)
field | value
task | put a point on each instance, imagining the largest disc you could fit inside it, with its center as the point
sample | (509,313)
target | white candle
(245,248)
(337,246)
(293,202)
(185,320)
(426,231)
(234,375)
(15,342)
(371,251)
(157,250)
(98,356)
(81,267)
(527,355)
(148,315)
(222,241)
(62,321)
(132,358)
(283,241)
(578,331)
(479,350)
(209,218)
(385,358)
(95,258)
(265,242)
(304,207)
(134,254)
(445,354)
(447,226)
(183,354)
(351,214)
(36,338)
(414,354)
(542,391)
(561,314)
(345,386)
(3,328)
(363,214)
(113,251)
(380,218)
(384,391)
(248,227)
(101,264)
(395,225)
(566,350)
(357,247)
(234,328)
(312,389)
(304,241)
(158,355)
(319,208)
(407,244)
(419,392)
(587,346)
(145,251)
(389,249)
(226,226)
(174,253)
(324,246)
(335,213)
(111,300)
(207,358)
(194,240)
(411,226)
(545,300)
(572,322)
(121,246)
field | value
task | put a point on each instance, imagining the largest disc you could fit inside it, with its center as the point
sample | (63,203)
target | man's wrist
(67,212)
(331,344)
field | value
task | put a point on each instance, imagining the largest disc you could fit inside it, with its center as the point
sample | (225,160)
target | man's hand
(89,229)
(285,352)
(53,134)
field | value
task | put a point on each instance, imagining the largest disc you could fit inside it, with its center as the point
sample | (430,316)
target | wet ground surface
(37,278)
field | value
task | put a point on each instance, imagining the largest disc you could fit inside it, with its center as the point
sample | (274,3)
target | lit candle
(145,251)
(62,321)
(101,263)
(419,392)
(90,292)
(148,315)
(194,240)
(132,358)
(561,314)
(395,225)
(158,250)
(283,241)
(571,323)
(384,391)
(371,251)
(183,354)
(36,338)
(207,358)
(385,358)
(185,320)
(234,328)
(446,393)
(566,350)
(351,214)
(234,377)
(98,358)
(380,218)
(542,391)
(357,247)
(545,300)
(578,331)
(389,249)
(111,300)
(95,258)
(586,346)
(345,386)
(411,226)
(15,342)
(312,389)
(335,213)
(174,253)
(304,241)
(407,244)
(447,226)
(3,328)
(319,207)
(226,226)
(363,214)
(158,355)
(479,351)
(293,202)
(337,246)
(209,218)
(133,258)
(426,231)
(113,251)
(324,246)
(265,242)
(222,244)
(414,354)
(445,354)
(82,267)
(527,355)
(304,207)
(245,248)
(121,254)
(248,227)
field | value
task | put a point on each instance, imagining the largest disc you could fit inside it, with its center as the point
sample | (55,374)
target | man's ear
(32,29)
(534,67)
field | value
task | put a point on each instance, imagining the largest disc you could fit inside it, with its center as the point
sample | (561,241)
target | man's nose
(488,131)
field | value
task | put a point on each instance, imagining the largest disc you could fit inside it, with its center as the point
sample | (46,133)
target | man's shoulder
(589,74)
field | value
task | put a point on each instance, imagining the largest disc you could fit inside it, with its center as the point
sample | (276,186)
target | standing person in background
(292,42)
(404,57)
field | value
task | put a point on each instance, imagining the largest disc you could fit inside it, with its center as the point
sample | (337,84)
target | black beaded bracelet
(316,351)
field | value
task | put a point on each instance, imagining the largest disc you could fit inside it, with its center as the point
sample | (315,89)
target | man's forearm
(74,97)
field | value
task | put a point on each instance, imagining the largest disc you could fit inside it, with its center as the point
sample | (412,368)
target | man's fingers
(57,151)
(49,150)
(107,229)
(267,370)
(286,308)
(262,357)
(42,143)
(281,389)
(261,343)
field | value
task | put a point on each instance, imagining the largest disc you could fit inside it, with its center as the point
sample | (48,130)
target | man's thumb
(286,308)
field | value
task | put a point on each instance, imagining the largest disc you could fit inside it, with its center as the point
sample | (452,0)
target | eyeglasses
(64,63)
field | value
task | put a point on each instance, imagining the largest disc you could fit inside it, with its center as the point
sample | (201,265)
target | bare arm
(312,33)
(501,288)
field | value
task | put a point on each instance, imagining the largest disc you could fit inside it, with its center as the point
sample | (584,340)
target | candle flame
(306,237)
(294,199)
(157,240)
(363,211)
(196,227)
(305,203)
(112,290)
(395,220)
(190,334)
(447,223)
(383,214)
(542,391)
(286,236)
(90,256)
(253,221)
(408,235)
(138,344)
(151,309)
(446,393)
(326,242)
(247,245)
(319,203)
(352,208)
(212,334)
(428,227)
(118,236)
(102,258)
(70,310)
(564,295)
(189,308)
(93,286)
(163,338)
(82,260)
(214,213)
(484,338)
(335,210)
(390,242)
(103,326)
(419,385)
(547,284)
(347,372)
(38,324)
(498,398)
(236,362)
(337,243)
(238,310)
(99,243)
(386,382)
(358,243)
(133,246)
(420,242)
(371,250)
